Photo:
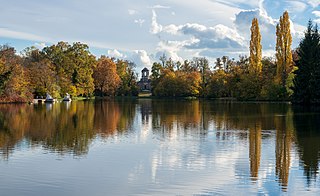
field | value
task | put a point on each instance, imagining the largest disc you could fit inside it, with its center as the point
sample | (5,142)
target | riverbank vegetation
(71,68)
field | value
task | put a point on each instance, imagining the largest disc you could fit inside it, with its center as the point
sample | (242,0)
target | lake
(159,147)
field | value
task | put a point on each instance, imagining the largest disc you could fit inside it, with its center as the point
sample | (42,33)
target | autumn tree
(217,85)
(283,50)
(41,72)
(14,82)
(201,64)
(105,76)
(5,74)
(255,48)
(171,80)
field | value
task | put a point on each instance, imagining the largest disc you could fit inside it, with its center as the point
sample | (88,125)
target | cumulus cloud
(141,58)
(115,53)
(219,36)
(267,26)
(218,39)
(171,49)
(200,37)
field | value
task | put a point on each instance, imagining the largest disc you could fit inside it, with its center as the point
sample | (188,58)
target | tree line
(291,75)
(62,68)
(71,68)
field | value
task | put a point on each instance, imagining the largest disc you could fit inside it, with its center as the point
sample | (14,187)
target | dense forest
(71,68)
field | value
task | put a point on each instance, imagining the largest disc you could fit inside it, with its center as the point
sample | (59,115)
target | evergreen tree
(255,48)
(305,82)
(315,75)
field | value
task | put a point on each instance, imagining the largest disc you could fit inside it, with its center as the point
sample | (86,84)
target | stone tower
(145,83)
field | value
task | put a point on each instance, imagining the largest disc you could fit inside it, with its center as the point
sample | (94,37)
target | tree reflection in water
(70,128)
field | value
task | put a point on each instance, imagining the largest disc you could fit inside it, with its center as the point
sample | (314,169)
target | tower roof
(145,69)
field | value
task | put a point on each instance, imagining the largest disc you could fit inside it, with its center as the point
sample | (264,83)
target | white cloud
(132,12)
(115,53)
(267,26)
(219,36)
(141,58)
(171,49)
(236,3)
(139,21)
(295,6)
(316,13)
(40,45)
(155,27)
(313,3)
(160,7)
(200,37)
(297,31)
(21,35)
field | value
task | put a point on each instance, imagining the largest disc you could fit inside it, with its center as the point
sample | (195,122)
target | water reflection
(110,119)
(255,149)
(193,135)
(284,138)
(307,128)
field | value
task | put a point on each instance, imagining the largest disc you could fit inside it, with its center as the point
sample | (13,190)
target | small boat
(49,99)
(67,98)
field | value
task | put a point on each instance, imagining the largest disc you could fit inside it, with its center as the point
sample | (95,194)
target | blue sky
(142,30)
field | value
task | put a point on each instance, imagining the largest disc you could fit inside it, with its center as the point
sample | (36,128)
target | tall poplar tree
(255,48)
(283,49)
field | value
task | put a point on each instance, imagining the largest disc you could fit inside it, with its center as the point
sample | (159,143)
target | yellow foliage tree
(255,48)
(105,76)
(283,49)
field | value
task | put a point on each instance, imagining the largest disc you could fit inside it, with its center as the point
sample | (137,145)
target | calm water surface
(159,147)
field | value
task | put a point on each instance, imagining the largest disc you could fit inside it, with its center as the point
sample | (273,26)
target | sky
(143,30)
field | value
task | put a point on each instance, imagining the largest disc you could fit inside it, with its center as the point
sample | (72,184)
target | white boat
(49,99)
(67,98)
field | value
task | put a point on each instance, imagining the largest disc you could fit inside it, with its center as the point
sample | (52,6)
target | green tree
(73,66)
(306,83)
(155,75)
(128,84)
